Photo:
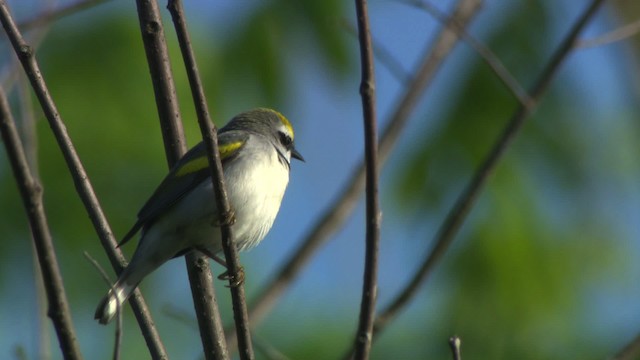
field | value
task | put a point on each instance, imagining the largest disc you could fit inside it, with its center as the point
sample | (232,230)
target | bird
(256,148)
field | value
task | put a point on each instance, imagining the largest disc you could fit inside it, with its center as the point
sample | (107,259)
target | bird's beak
(296,155)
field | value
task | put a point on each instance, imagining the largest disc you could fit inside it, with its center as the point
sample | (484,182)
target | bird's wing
(188,172)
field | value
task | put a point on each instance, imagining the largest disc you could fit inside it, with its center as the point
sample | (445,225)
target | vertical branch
(31,193)
(345,202)
(367,91)
(211,329)
(81,180)
(465,201)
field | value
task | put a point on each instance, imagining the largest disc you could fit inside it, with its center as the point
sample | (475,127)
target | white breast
(260,183)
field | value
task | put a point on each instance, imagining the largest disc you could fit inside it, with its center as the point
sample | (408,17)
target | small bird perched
(256,148)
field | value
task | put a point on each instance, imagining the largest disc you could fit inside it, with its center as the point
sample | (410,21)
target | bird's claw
(225,219)
(234,281)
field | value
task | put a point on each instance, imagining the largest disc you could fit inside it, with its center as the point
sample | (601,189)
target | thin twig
(28,134)
(31,193)
(268,351)
(383,55)
(117,345)
(485,53)
(81,180)
(630,351)
(56,14)
(454,344)
(345,202)
(616,35)
(211,329)
(463,205)
(373,216)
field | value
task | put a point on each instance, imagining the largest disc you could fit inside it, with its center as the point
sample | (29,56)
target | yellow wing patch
(201,162)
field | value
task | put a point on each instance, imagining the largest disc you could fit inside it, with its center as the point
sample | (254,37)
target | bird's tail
(113,302)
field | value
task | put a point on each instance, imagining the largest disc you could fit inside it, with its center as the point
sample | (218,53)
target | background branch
(345,202)
(463,205)
(616,35)
(31,192)
(81,180)
(54,15)
(485,53)
(630,351)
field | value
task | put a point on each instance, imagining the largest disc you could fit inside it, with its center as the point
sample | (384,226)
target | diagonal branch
(343,206)
(485,53)
(616,35)
(57,14)
(164,89)
(169,112)
(31,192)
(630,351)
(463,205)
(210,138)
(80,178)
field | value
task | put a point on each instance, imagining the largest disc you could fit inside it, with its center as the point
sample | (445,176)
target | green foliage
(535,241)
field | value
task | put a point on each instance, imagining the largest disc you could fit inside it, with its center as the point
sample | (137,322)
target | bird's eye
(285,139)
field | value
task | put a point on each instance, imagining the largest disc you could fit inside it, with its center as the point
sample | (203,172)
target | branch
(211,330)
(164,89)
(619,34)
(200,277)
(343,206)
(368,94)
(463,205)
(630,351)
(81,180)
(485,53)
(31,193)
(57,14)
(117,344)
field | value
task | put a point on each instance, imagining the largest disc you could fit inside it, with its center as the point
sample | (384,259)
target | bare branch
(384,56)
(48,17)
(117,346)
(373,216)
(463,205)
(211,329)
(343,206)
(485,53)
(81,179)
(161,76)
(630,351)
(616,35)
(31,193)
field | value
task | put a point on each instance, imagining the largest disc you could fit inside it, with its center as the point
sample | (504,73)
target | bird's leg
(235,281)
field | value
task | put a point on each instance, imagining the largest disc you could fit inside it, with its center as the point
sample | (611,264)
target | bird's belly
(255,199)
